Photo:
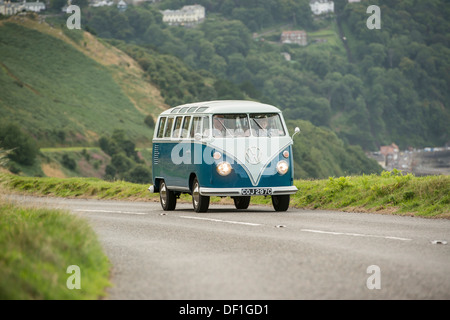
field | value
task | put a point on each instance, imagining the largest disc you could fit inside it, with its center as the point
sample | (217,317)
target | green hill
(371,87)
(67,88)
(54,90)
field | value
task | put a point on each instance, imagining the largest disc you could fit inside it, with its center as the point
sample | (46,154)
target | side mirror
(296,130)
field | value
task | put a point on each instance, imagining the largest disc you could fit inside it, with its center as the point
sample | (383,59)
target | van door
(165,150)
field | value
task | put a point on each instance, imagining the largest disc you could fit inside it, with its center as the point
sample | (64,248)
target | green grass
(58,94)
(36,248)
(390,192)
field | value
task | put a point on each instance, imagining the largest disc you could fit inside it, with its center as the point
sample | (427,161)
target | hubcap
(163,193)
(196,194)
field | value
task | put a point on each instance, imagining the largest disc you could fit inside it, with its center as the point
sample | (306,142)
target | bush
(3,157)
(139,174)
(68,162)
(149,121)
(121,162)
(24,149)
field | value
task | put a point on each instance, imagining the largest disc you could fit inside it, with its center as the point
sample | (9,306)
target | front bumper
(224,192)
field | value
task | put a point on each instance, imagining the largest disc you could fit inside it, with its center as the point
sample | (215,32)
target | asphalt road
(261,254)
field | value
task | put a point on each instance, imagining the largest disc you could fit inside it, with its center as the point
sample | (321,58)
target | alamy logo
(74,21)
(74,281)
(374,21)
(374,281)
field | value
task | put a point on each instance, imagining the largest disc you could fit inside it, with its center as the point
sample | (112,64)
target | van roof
(223,106)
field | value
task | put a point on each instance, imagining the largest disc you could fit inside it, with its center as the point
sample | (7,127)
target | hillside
(68,88)
(371,87)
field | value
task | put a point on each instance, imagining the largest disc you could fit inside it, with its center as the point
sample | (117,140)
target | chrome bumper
(224,192)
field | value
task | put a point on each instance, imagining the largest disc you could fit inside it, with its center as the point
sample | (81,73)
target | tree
(121,162)
(149,121)
(139,174)
(23,148)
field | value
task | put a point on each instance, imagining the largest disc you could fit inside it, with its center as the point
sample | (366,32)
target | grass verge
(38,245)
(389,192)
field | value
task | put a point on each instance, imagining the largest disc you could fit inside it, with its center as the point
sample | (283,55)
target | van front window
(230,125)
(266,125)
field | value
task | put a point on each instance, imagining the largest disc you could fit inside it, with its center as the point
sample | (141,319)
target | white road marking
(218,220)
(109,211)
(253,224)
(355,234)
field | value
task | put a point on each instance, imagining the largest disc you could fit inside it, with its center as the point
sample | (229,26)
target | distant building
(392,149)
(122,6)
(34,6)
(8,8)
(321,6)
(102,3)
(188,15)
(390,154)
(296,36)
(286,56)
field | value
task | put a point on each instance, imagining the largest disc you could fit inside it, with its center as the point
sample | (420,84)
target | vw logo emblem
(253,155)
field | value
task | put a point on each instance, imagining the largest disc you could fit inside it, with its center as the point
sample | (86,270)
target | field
(71,90)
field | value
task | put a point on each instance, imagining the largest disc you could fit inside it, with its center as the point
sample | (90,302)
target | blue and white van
(225,148)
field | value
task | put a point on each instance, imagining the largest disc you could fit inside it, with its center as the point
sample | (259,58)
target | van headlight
(223,168)
(282,167)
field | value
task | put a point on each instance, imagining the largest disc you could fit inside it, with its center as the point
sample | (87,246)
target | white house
(9,8)
(34,6)
(188,15)
(102,3)
(321,6)
(296,36)
(122,6)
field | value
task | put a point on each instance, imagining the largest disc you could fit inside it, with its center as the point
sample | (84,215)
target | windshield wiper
(226,129)
(269,134)
(257,123)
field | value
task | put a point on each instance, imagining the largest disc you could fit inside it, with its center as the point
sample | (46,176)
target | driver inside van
(264,127)
(219,129)
(261,127)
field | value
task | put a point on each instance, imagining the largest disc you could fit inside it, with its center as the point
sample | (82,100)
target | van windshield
(266,125)
(243,125)
(230,125)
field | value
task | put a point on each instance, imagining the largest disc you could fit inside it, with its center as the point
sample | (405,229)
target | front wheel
(241,202)
(281,202)
(200,203)
(167,198)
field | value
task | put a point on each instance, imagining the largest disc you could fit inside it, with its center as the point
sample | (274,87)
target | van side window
(185,130)
(162,122)
(196,126)
(177,127)
(206,126)
(168,128)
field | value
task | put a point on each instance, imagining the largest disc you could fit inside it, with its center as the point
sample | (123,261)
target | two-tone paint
(178,160)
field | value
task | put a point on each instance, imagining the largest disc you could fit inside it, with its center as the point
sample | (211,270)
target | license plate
(256,191)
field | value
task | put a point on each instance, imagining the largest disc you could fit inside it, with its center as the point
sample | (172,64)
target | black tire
(281,202)
(166,197)
(200,203)
(241,202)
